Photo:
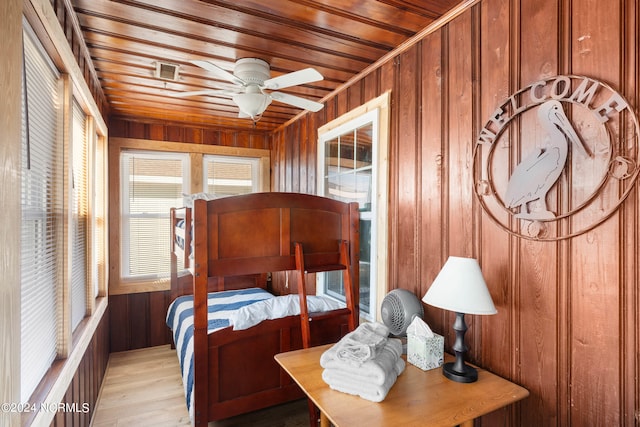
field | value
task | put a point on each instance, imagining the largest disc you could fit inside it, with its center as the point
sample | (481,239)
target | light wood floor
(144,388)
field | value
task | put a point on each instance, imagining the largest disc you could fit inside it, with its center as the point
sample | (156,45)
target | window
(230,176)
(151,179)
(42,268)
(98,219)
(59,312)
(352,155)
(79,189)
(151,184)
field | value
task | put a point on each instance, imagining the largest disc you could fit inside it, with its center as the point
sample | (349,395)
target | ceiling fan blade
(220,72)
(221,92)
(300,77)
(296,101)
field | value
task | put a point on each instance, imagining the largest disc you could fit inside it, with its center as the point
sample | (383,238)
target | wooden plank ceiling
(339,38)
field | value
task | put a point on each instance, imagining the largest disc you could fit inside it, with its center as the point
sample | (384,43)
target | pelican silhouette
(539,171)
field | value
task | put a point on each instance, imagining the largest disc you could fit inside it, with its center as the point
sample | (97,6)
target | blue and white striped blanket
(180,320)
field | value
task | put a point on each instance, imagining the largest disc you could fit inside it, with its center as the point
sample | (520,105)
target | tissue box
(425,353)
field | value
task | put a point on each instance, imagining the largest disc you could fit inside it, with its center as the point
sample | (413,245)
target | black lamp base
(469,374)
(459,371)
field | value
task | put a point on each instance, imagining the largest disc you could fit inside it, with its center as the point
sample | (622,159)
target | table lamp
(460,287)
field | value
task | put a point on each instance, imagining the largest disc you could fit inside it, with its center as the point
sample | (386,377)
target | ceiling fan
(255,89)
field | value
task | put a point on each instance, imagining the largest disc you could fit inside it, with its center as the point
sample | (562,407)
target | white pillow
(275,308)
(188,199)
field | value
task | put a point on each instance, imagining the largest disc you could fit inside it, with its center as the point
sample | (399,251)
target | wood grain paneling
(629,342)
(431,223)
(127,38)
(196,134)
(594,303)
(159,333)
(404,273)
(567,322)
(497,51)
(10,158)
(138,320)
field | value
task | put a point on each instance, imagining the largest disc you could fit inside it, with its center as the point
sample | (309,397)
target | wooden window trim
(118,285)
(383,103)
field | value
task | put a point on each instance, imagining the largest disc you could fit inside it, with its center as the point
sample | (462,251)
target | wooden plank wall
(10,180)
(567,327)
(138,320)
(165,131)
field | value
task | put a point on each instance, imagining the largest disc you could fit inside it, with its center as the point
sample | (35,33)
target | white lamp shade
(460,287)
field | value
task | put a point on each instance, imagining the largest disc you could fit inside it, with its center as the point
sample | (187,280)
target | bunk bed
(230,247)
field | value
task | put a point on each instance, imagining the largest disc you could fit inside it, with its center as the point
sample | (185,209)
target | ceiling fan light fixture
(252,104)
(251,76)
(252,70)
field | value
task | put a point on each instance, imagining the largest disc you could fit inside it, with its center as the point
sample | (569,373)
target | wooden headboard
(256,233)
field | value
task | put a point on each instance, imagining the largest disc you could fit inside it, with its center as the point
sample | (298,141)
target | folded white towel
(370,333)
(366,390)
(387,363)
(355,353)
(363,343)
(358,376)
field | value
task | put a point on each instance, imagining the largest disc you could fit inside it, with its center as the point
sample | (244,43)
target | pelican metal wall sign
(557,158)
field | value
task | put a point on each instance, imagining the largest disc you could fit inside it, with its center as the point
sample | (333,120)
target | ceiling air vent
(167,71)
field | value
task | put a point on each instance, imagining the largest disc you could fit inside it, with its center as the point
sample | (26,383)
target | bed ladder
(305,318)
(302,269)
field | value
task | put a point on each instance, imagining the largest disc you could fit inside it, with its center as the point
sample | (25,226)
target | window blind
(151,184)
(80,220)
(230,176)
(42,214)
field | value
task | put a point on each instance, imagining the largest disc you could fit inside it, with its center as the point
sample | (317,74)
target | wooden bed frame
(237,241)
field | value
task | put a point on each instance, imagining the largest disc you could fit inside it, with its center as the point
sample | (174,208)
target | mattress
(180,240)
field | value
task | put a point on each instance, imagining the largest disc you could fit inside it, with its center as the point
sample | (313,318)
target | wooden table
(418,398)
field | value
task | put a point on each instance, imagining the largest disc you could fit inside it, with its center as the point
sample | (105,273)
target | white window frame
(125,208)
(376,112)
(253,161)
